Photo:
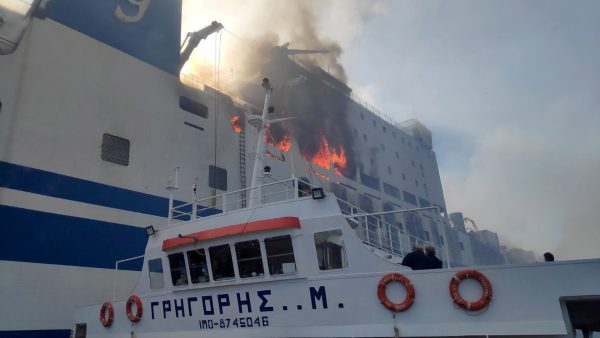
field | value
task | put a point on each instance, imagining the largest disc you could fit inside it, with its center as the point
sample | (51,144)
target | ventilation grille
(115,149)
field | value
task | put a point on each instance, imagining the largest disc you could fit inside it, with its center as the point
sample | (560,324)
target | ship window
(280,255)
(198,267)
(397,155)
(427,236)
(221,262)
(410,198)
(365,137)
(331,253)
(249,259)
(178,273)
(193,107)
(217,177)
(384,129)
(155,271)
(115,149)
(462,246)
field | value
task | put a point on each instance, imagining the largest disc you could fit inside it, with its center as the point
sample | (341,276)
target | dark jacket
(434,262)
(416,260)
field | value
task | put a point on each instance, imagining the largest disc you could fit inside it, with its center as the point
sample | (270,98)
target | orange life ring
(482,302)
(410,292)
(107,308)
(134,318)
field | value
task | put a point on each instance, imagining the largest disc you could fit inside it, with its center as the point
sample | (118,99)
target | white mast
(259,122)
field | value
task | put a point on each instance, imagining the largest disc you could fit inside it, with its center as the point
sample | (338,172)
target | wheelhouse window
(178,272)
(156,275)
(280,255)
(249,259)
(198,266)
(221,262)
(331,252)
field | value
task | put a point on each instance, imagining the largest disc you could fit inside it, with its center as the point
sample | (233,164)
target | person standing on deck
(434,262)
(416,260)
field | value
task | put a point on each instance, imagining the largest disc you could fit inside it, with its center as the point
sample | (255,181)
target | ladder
(242,154)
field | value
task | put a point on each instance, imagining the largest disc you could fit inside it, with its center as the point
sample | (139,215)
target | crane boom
(193,39)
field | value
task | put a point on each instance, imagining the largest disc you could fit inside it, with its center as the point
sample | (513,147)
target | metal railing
(371,228)
(268,193)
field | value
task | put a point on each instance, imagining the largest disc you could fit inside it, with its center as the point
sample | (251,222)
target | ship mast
(260,122)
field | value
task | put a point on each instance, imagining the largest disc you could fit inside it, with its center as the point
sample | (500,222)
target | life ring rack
(485,298)
(410,292)
(107,314)
(134,299)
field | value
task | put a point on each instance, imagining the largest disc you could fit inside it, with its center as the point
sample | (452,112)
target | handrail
(375,237)
(117,269)
(371,228)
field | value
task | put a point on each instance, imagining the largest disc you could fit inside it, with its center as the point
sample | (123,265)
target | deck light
(150,230)
(317,193)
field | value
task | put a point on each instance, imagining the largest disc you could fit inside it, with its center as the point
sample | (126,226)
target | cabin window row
(279,253)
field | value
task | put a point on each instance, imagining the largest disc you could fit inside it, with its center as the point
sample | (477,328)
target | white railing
(235,200)
(371,228)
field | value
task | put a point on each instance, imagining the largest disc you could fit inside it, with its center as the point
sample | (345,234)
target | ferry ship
(94,118)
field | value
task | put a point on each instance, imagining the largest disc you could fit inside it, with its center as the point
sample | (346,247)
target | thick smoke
(320,102)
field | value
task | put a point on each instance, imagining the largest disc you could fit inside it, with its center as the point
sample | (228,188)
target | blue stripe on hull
(47,183)
(41,237)
(36,334)
(37,181)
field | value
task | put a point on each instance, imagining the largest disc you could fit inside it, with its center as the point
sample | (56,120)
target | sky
(510,90)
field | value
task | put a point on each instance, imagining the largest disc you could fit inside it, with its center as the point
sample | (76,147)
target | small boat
(288,261)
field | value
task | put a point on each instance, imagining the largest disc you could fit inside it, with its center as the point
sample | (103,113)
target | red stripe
(230,230)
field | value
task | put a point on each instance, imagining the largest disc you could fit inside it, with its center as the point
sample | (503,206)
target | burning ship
(94,117)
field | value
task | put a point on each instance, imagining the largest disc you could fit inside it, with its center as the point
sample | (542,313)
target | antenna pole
(259,122)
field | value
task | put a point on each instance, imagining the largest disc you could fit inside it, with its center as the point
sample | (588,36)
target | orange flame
(235,125)
(316,173)
(284,145)
(327,156)
(275,156)
(339,160)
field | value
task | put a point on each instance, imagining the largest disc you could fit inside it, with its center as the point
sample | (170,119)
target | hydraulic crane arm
(193,39)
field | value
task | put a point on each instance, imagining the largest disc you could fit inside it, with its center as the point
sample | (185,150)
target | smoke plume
(257,44)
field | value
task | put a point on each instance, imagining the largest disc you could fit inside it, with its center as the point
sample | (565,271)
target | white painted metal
(527,298)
